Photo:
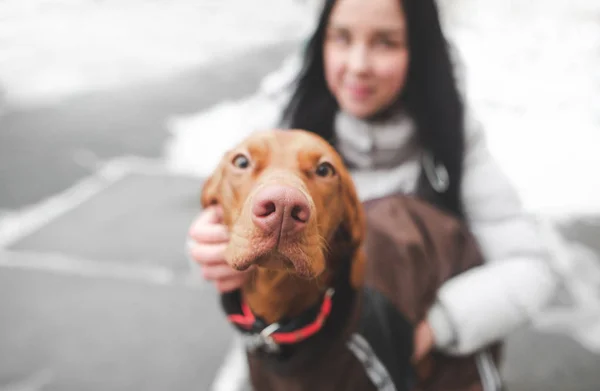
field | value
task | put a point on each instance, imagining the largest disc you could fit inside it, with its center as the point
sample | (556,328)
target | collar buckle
(263,340)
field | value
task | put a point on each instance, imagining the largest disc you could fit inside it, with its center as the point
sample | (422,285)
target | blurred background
(112,112)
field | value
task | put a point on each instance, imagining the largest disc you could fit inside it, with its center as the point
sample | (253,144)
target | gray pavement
(140,219)
(107,334)
(585,230)
(543,361)
(102,298)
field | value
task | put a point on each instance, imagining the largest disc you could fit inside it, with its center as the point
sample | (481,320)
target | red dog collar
(270,336)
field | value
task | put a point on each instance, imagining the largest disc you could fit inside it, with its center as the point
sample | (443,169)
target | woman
(377,80)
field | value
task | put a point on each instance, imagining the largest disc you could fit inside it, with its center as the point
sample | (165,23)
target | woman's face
(366,54)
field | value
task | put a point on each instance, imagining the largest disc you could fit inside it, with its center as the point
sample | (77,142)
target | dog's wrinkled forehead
(287,149)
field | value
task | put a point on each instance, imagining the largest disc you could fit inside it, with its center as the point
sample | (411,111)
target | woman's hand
(423,344)
(208,240)
(423,341)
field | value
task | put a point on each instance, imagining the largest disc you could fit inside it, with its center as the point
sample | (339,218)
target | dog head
(287,200)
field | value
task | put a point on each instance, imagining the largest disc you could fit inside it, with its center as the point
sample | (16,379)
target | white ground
(51,49)
(534,80)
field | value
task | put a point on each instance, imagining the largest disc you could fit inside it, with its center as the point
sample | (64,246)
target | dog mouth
(272,253)
(276,260)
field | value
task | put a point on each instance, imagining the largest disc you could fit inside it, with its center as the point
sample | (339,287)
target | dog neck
(277,294)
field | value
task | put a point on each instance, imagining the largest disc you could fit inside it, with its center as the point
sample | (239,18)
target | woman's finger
(209,233)
(211,215)
(208,254)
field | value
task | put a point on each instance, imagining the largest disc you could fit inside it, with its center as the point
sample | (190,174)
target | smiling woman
(378,83)
(366,55)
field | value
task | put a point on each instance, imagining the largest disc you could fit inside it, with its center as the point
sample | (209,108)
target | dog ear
(211,189)
(354,229)
(354,220)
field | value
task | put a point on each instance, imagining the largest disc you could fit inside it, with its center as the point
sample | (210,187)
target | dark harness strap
(383,343)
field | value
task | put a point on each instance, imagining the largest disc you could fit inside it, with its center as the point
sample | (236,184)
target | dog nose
(281,209)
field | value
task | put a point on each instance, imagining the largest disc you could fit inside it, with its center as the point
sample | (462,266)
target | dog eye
(241,161)
(325,169)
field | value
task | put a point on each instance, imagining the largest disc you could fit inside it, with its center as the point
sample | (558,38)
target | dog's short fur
(296,221)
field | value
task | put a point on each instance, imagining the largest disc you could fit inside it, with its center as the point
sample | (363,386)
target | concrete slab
(63,333)
(140,219)
(549,361)
(584,230)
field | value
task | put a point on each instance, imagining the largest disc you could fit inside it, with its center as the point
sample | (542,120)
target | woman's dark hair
(430,96)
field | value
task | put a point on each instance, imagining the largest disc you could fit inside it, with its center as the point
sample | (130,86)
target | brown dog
(287,199)
(314,314)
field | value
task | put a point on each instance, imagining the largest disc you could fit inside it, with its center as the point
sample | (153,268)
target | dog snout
(280,210)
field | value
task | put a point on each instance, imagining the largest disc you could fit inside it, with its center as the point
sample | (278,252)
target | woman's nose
(358,59)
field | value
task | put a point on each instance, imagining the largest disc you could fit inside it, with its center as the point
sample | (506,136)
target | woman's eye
(339,37)
(241,161)
(325,169)
(387,43)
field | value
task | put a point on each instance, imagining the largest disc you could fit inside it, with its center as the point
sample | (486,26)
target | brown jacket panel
(412,248)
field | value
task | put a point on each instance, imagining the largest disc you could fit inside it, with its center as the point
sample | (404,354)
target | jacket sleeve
(487,303)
